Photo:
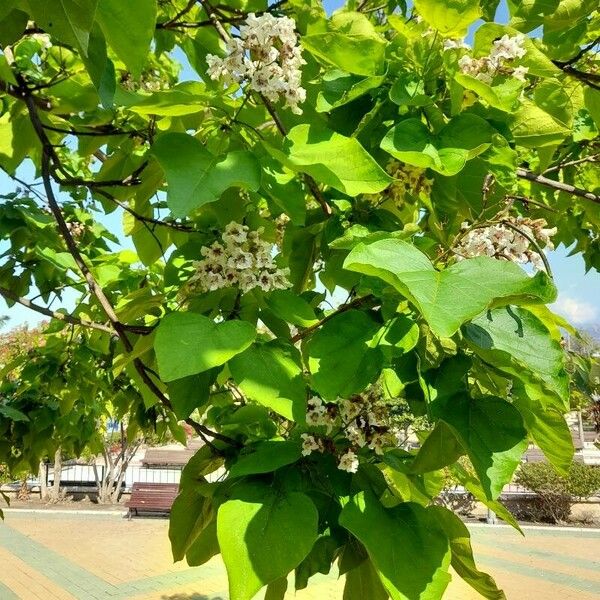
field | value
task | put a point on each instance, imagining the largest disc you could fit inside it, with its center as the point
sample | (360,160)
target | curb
(65,512)
(560,528)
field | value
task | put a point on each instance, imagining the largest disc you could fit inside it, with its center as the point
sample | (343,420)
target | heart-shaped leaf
(448,298)
(187,343)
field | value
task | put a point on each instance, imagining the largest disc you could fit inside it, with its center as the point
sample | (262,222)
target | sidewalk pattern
(101,557)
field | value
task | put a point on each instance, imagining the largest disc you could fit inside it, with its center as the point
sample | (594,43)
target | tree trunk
(55,491)
(43,478)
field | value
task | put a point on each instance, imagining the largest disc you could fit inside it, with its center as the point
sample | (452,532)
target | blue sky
(578,291)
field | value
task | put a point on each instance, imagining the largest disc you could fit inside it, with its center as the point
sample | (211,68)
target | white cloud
(577,312)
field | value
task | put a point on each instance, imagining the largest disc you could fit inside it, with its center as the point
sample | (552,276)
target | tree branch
(572,163)
(8,294)
(578,56)
(358,302)
(558,185)
(142,218)
(310,182)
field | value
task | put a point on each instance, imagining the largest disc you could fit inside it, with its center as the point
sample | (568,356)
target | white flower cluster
(450,44)
(243,259)
(505,243)
(362,420)
(76,229)
(503,51)
(267,57)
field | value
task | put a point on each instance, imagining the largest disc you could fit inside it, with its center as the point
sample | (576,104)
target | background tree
(316,220)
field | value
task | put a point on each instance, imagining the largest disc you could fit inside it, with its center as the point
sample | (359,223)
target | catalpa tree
(298,232)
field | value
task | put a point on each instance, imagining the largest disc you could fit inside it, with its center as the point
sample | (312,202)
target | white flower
(503,242)
(508,48)
(310,444)
(355,436)
(503,51)
(266,57)
(243,259)
(240,260)
(450,44)
(377,442)
(235,233)
(520,72)
(348,462)
(349,410)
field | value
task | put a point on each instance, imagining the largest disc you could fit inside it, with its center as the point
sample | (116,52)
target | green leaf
(412,143)
(196,177)
(315,150)
(129,29)
(263,534)
(462,555)
(592,103)
(204,547)
(350,43)
(410,572)
(12,26)
(70,21)
(271,375)
(569,13)
(362,582)
(472,485)
(491,431)
(340,87)
(526,15)
(205,461)
(409,90)
(533,127)
(266,457)
(482,282)
(450,17)
(441,448)
(503,96)
(400,335)
(190,514)
(319,560)
(465,137)
(277,589)
(340,358)
(516,342)
(185,98)
(188,343)
(12,413)
(546,426)
(100,68)
(291,308)
(190,393)
(6,74)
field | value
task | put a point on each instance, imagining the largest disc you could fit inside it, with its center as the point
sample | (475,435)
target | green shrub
(556,494)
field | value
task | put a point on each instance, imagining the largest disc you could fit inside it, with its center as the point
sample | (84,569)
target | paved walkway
(102,557)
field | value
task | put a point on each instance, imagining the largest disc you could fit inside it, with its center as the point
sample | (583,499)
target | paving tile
(90,557)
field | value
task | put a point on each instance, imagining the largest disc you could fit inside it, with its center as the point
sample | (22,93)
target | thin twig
(358,302)
(52,313)
(572,163)
(578,56)
(142,218)
(558,185)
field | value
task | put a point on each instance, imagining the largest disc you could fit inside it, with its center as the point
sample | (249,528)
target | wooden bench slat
(152,497)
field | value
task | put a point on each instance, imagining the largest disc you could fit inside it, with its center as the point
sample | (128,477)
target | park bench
(152,498)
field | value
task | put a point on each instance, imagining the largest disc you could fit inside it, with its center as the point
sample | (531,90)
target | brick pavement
(51,556)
